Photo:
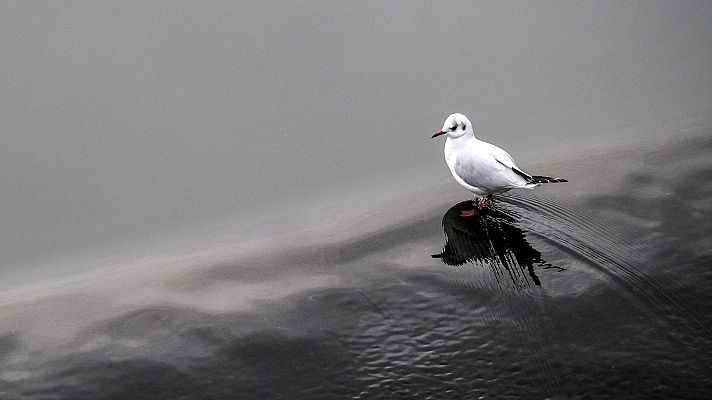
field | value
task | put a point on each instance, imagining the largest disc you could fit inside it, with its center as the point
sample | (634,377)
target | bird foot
(477,204)
(468,213)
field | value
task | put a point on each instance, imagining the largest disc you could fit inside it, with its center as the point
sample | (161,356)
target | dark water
(599,289)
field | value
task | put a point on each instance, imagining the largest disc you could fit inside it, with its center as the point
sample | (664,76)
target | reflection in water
(629,319)
(492,238)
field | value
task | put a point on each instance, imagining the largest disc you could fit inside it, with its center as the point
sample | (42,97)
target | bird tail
(545,179)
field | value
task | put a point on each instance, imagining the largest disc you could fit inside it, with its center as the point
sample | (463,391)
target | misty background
(127,122)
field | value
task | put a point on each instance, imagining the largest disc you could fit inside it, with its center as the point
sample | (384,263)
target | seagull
(482,168)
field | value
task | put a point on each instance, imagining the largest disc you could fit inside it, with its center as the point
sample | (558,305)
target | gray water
(242,201)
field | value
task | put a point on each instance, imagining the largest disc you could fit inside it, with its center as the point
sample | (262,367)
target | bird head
(455,125)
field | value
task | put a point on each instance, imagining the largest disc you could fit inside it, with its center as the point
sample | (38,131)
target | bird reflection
(490,237)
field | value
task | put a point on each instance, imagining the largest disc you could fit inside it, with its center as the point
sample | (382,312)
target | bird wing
(488,167)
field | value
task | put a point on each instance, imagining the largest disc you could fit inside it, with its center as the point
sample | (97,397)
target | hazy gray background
(121,121)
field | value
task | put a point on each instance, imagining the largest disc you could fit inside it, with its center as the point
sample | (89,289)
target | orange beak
(438,133)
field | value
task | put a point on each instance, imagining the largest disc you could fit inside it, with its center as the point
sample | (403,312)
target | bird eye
(453,128)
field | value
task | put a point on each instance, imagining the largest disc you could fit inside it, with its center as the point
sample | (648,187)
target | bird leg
(482,202)
(477,204)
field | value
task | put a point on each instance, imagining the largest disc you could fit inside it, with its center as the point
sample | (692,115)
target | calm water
(241,200)
(548,294)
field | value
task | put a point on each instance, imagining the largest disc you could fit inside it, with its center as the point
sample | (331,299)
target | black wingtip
(546,179)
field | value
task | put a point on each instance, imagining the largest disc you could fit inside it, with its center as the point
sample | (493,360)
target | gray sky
(123,119)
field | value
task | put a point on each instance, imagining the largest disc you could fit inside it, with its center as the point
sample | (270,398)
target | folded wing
(490,168)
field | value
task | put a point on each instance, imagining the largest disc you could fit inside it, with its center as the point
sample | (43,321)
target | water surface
(546,294)
(241,200)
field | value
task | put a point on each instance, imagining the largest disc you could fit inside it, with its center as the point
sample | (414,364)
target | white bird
(482,168)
